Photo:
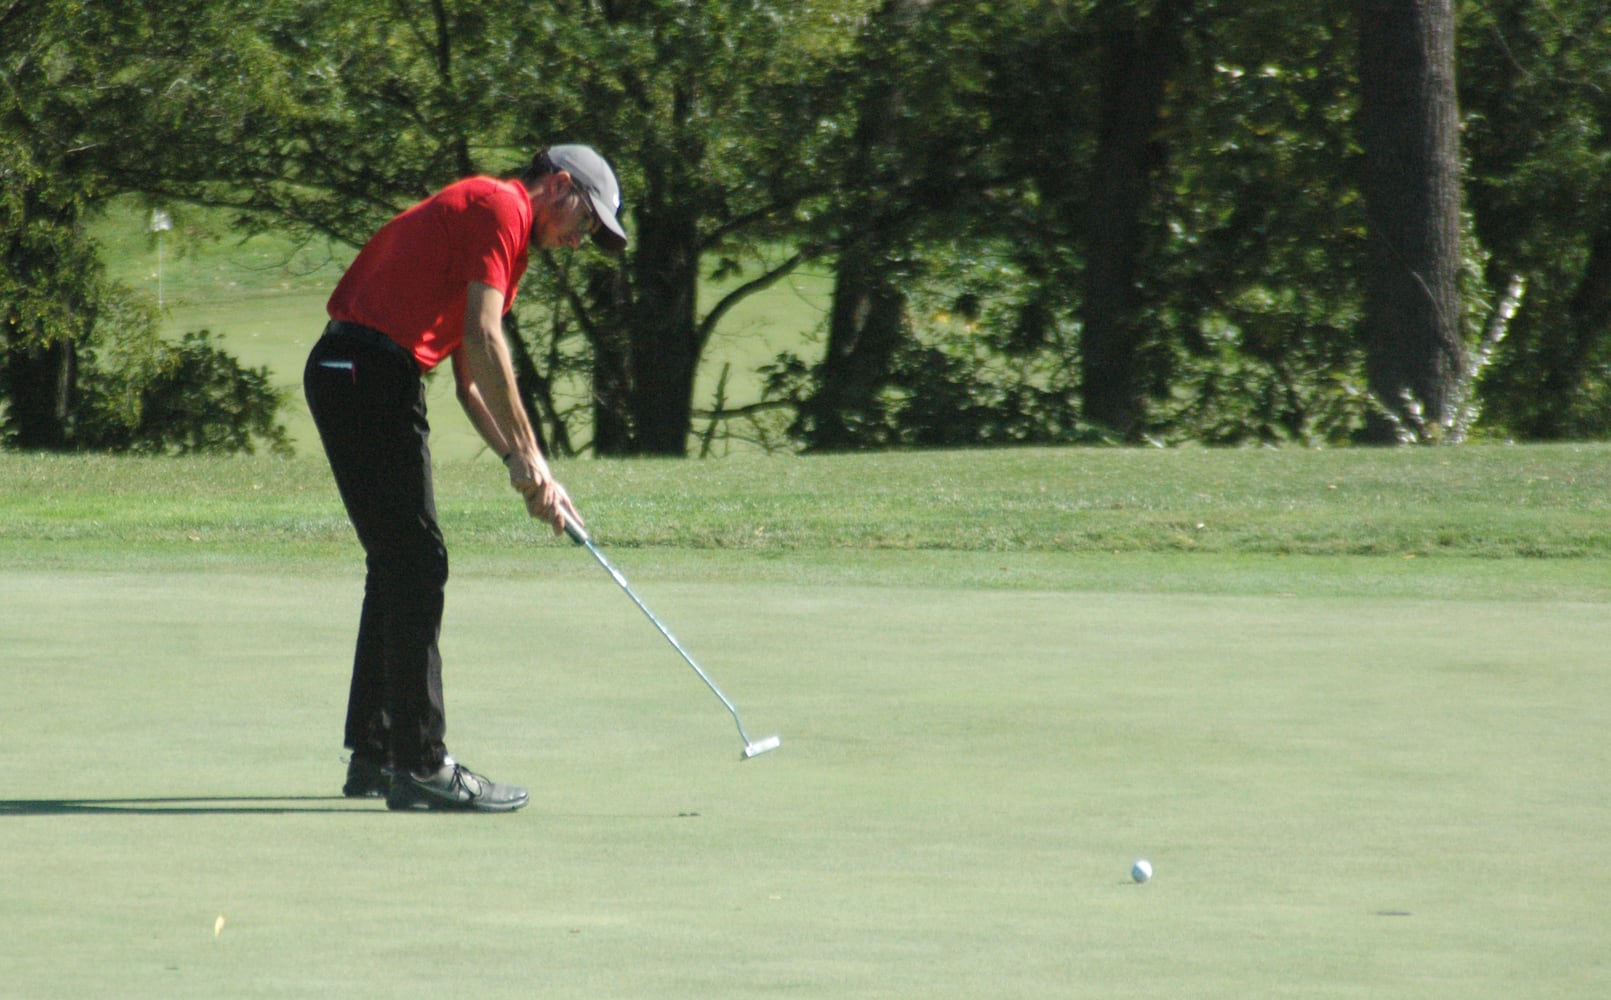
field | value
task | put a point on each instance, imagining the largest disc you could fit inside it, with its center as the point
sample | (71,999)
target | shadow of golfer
(277,805)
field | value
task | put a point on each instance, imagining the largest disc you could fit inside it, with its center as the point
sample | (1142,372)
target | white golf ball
(1141,870)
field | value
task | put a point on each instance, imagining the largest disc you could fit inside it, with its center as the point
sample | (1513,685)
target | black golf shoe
(367,778)
(453,787)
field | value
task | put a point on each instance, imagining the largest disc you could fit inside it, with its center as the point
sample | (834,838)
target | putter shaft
(752,748)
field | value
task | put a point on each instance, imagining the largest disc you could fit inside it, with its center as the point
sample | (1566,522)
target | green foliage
(334,117)
(1250,295)
(82,367)
(1256,269)
(1249,290)
(954,140)
(329,118)
(722,115)
(51,276)
(189,397)
(980,366)
(49,93)
(1536,92)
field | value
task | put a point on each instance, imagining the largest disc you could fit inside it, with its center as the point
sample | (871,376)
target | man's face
(560,215)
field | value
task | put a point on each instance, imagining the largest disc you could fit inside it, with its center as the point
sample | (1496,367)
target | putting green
(1341,795)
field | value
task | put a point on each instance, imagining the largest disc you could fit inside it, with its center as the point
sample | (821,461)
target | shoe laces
(466,781)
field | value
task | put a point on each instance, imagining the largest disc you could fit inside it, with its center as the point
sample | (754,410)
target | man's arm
(476,408)
(486,388)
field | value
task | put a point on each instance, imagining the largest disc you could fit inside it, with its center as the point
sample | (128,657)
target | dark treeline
(1081,220)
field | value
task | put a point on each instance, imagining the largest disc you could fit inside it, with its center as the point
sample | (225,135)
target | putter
(752,748)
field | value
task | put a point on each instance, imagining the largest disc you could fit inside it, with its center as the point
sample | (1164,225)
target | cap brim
(609,236)
(609,240)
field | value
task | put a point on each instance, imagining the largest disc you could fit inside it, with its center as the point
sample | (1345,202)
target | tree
(1255,277)
(717,110)
(1195,247)
(1188,212)
(50,281)
(1139,57)
(867,316)
(1413,335)
(1536,90)
(330,119)
(1174,218)
(75,80)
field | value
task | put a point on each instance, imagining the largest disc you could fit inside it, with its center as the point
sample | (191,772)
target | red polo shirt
(411,280)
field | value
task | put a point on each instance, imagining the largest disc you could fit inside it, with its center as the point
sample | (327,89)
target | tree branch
(747,289)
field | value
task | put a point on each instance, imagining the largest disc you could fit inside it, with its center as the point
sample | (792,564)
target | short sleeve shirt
(411,280)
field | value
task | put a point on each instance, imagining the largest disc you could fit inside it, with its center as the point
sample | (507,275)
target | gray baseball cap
(596,180)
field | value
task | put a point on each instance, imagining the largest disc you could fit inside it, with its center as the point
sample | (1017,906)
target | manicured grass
(1355,721)
(1479,501)
(1342,797)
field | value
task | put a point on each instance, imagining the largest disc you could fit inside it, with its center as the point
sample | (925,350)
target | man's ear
(551,187)
(560,184)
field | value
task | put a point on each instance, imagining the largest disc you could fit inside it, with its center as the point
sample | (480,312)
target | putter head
(761,746)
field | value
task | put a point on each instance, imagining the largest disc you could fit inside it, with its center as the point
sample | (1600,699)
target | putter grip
(575,531)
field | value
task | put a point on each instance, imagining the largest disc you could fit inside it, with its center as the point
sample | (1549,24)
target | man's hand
(546,500)
(487,391)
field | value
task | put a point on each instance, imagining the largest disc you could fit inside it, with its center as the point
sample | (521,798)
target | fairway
(1343,795)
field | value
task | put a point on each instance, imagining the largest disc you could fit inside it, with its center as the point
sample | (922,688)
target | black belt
(371,337)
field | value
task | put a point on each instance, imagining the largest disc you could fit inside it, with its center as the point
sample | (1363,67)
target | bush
(184,398)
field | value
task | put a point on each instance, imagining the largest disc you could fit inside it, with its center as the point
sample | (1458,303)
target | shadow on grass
(194,806)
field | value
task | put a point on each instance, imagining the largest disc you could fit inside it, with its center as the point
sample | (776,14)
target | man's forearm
(481,419)
(492,392)
(491,375)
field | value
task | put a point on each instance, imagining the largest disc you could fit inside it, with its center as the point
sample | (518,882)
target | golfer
(433,284)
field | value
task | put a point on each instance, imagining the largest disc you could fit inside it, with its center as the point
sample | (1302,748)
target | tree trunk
(1137,62)
(646,352)
(866,325)
(1415,355)
(39,394)
(1567,345)
(532,386)
(612,375)
(867,319)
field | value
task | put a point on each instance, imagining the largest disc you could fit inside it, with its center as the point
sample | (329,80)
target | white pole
(160,223)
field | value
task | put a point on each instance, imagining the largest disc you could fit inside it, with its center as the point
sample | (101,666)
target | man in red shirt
(434,283)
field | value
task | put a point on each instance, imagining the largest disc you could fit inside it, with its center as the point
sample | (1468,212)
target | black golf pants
(368,402)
